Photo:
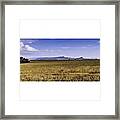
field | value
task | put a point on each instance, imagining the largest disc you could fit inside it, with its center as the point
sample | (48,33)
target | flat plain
(69,70)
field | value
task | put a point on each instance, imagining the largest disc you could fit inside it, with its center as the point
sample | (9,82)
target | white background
(59,28)
(103,106)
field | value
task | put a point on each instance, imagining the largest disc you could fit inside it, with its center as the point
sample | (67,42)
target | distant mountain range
(59,58)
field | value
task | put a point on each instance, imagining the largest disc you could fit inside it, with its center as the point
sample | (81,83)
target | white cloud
(30,42)
(28,48)
(21,44)
(66,47)
(84,47)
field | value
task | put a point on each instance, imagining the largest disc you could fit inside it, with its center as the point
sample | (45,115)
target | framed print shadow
(59,60)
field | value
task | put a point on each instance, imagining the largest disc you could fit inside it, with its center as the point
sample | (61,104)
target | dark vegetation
(24,60)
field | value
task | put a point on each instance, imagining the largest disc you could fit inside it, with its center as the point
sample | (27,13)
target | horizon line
(64,56)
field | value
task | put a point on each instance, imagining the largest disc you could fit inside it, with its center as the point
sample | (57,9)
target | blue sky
(33,48)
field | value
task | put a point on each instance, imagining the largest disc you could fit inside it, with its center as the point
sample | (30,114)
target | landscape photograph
(59,59)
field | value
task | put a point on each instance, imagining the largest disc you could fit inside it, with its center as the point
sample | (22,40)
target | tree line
(24,60)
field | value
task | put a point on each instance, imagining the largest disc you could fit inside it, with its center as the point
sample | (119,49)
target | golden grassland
(82,70)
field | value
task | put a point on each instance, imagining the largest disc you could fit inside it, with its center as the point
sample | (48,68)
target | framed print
(60,60)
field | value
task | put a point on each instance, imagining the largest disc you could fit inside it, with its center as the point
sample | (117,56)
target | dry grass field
(82,70)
